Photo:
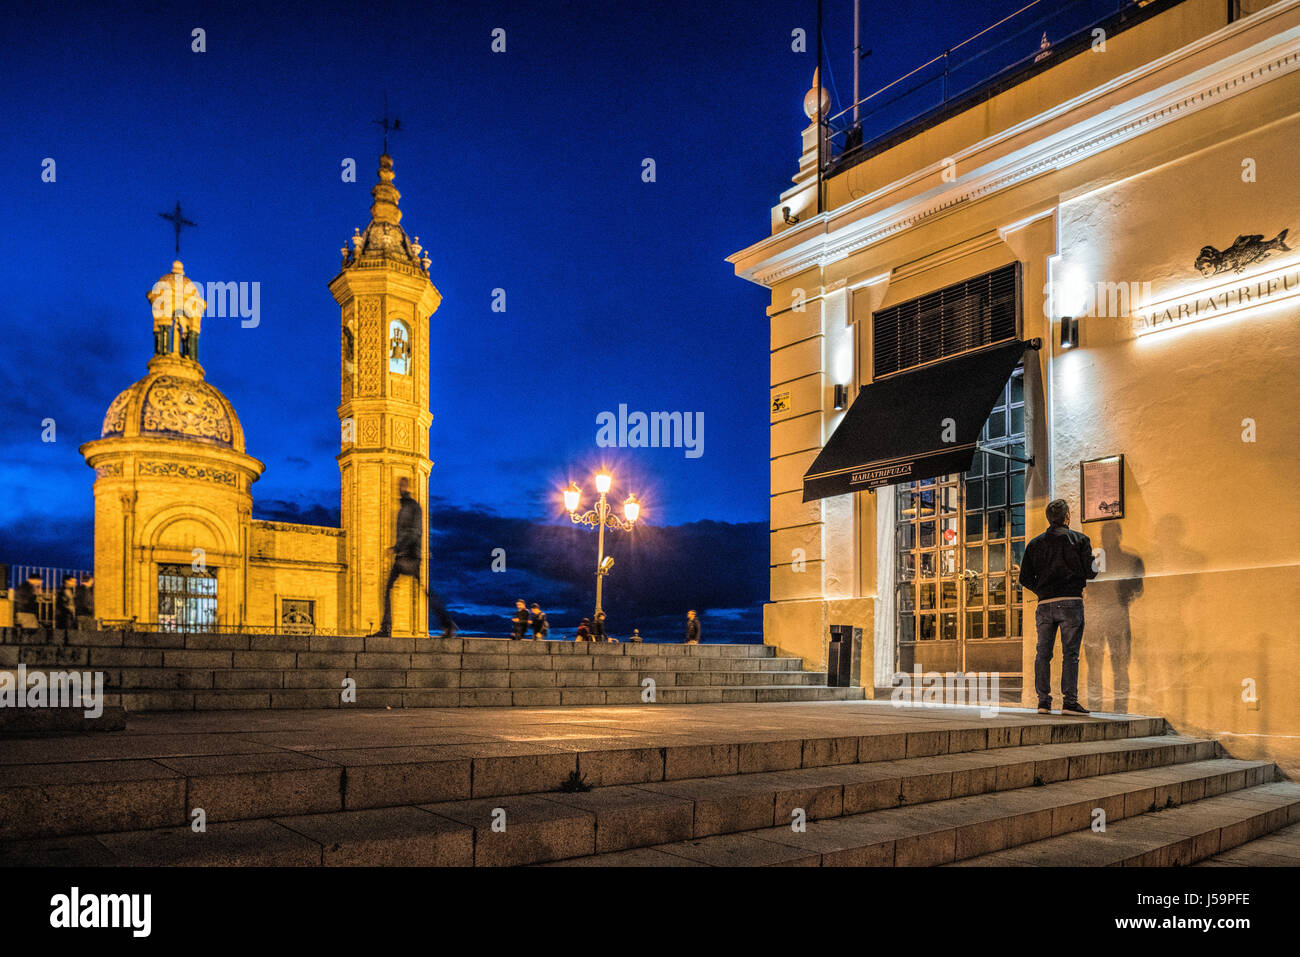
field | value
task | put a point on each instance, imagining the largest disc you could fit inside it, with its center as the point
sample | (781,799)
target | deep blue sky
(518,170)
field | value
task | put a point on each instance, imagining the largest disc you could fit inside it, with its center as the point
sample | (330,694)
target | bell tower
(386,298)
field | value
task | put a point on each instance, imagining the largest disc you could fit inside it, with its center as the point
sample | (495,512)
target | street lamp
(601,517)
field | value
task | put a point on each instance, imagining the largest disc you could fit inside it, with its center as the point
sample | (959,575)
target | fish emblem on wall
(1245,251)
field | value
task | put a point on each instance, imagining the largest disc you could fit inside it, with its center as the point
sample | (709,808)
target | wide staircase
(169,671)
(907,788)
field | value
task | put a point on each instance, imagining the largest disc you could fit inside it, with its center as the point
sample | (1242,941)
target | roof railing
(1038,31)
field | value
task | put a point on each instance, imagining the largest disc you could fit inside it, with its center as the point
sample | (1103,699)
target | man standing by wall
(1056,567)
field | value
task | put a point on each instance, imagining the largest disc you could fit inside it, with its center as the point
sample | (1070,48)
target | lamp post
(601,517)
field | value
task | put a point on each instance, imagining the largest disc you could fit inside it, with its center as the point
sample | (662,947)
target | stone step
(330,679)
(109,659)
(963,828)
(1281,848)
(610,820)
(1227,829)
(52,788)
(60,720)
(141,700)
(170,641)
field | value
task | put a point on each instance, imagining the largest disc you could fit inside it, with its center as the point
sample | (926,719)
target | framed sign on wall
(1101,488)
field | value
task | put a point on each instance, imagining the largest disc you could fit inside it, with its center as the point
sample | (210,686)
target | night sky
(518,171)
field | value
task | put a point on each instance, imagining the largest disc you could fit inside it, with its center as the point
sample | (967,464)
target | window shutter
(961,317)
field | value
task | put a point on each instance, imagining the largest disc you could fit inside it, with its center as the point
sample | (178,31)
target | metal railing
(51,582)
(1040,30)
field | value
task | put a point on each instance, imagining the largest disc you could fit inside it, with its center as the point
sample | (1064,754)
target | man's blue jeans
(1068,616)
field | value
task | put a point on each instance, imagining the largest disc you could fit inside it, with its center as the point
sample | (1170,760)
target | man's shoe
(1075,708)
(1044,709)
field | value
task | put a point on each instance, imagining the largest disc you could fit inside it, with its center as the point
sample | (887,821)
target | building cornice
(839,233)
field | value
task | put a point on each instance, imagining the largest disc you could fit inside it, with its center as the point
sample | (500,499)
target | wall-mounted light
(841,396)
(790,220)
(1069,332)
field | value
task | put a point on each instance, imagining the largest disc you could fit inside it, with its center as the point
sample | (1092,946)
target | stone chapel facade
(176,546)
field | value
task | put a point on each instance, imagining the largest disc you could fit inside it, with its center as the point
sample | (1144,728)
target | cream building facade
(176,546)
(1115,223)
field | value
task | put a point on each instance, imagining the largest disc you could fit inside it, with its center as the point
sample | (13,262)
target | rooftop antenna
(858,56)
(389,126)
(179,222)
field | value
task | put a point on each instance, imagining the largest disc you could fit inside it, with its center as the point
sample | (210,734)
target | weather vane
(389,126)
(179,222)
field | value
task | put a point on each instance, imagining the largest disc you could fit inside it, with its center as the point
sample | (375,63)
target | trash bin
(844,657)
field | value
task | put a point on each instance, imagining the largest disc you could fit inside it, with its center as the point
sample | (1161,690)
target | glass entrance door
(958,544)
(187,599)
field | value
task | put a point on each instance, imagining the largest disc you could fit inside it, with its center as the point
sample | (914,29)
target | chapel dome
(168,405)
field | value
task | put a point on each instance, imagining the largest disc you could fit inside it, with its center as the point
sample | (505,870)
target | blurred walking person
(541,627)
(405,550)
(86,601)
(65,604)
(692,628)
(519,623)
(27,603)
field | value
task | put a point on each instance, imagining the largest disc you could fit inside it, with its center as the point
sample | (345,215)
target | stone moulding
(183,470)
(774,259)
(295,527)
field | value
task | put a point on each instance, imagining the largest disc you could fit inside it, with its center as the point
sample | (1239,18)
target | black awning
(894,430)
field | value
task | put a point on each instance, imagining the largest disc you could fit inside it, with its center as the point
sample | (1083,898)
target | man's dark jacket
(407,543)
(519,622)
(25,601)
(85,601)
(692,629)
(1057,564)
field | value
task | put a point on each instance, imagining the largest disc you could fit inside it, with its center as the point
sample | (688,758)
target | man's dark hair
(535,605)
(1058,510)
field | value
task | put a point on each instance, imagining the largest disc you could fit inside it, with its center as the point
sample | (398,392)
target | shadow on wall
(1170,678)
(1109,629)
